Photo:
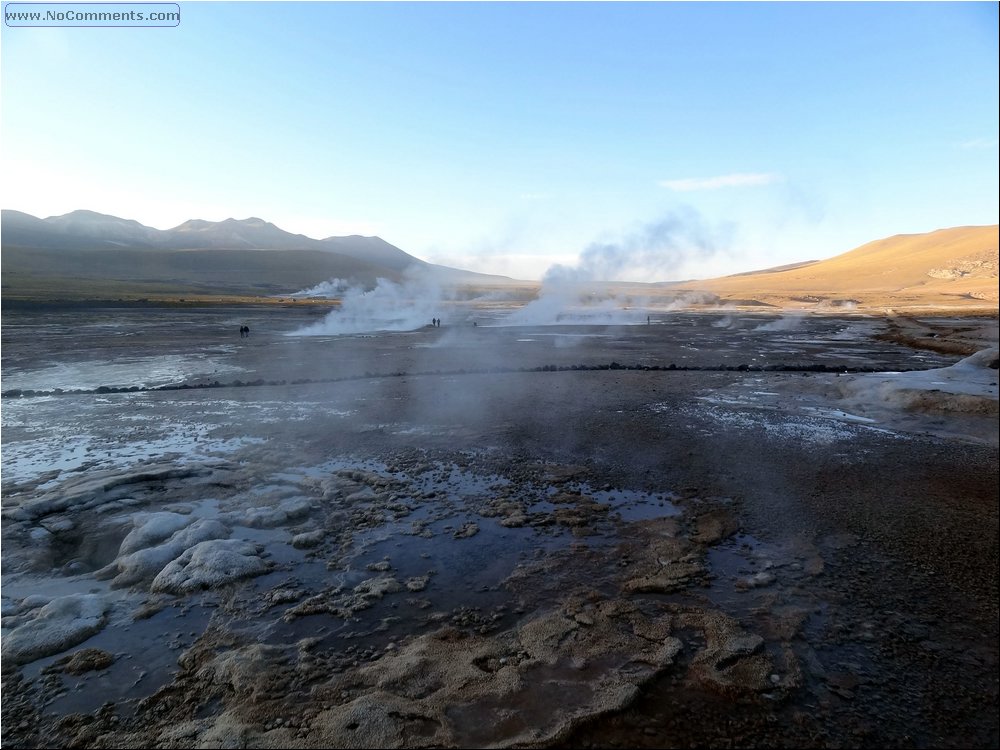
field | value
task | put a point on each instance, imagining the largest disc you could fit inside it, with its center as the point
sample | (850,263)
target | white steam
(790,321)
(332,288)
(578,294)
(578,304)
(655,249)
(389,306)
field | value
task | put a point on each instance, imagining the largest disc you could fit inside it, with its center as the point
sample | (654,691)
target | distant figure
(647,320)
(474,324)
(244,332)
(246,329)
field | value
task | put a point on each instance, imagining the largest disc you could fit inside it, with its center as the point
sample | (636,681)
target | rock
(455,689)
(341,604)
(209,564)
(74,568)
(261,518)
(283,596)
(308,539)
(668,578)
(240,670)
(714,526)
(269,517)
(57,524)
(417,583)
(733,660)
(40,536)
(87,660)
(99,487)
(470,528)
(152,528)
(296,507)
(514,521)
(145,564)
(757,580)
(147,610)
(378,587)
(60,624)
(34,601)
(8,607)
(363,495)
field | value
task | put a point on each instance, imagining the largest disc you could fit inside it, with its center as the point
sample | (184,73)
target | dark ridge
(105,389)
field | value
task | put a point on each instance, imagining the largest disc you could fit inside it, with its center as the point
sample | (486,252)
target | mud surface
(595,558)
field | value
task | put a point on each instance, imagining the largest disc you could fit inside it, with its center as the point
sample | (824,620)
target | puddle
(145,653)
(741,568)
(631,505)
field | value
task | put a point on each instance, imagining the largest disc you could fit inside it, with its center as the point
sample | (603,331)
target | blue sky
(505,137)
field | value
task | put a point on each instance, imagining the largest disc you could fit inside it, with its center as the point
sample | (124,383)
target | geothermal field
(645,527)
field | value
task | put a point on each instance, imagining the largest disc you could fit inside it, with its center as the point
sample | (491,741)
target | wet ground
(437,545)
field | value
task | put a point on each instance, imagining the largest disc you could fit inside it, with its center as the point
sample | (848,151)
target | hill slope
(125,272)
(944,267)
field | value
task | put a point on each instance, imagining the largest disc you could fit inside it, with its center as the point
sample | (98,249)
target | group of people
(244,332)
(436,322)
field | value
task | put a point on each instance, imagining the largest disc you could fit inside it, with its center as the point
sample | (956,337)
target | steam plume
(575,294)
(389,306)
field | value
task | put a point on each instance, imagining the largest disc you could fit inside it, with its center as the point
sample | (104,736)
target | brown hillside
(948,267)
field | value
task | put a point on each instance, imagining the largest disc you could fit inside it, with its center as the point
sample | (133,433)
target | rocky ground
(467,547)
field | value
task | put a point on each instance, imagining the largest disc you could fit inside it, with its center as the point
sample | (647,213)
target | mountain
(91,253)
(97,227)
(78,229)
(84,254)
(375,250)
(234,234)
(945,267)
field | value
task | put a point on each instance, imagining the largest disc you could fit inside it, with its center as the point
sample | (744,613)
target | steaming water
(739,558)
(124,372)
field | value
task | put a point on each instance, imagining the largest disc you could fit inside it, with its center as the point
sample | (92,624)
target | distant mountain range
(87,255)
(84,253)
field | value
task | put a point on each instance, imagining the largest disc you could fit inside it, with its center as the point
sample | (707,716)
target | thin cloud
(979,143)
(739,179)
